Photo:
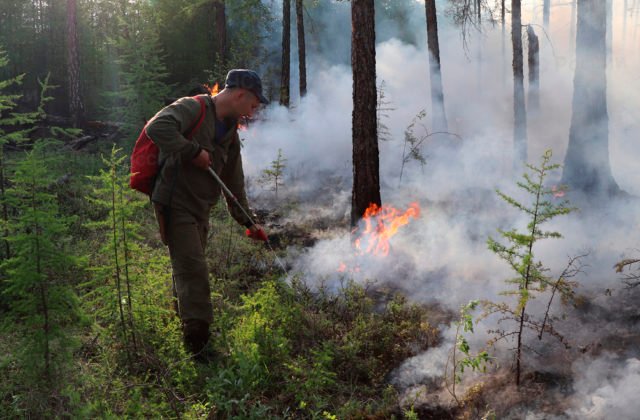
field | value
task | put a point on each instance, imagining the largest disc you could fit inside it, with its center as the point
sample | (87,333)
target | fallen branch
(81,142)
(631,279)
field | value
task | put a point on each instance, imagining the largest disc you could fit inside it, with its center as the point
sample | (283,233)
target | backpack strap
(189,134)
(196,125)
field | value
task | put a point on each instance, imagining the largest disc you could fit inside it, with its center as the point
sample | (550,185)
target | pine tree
(8,120)
(519,109)
(112,285)
(438,115)
(365,157)
(531,276)
(141,89)
(273,175)
(302,50)
(286,54)
(587,166)
(42,302)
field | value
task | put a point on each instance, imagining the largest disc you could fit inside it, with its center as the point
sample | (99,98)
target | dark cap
(246,79)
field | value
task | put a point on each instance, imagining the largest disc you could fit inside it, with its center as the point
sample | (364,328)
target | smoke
(442,256)
(606,387)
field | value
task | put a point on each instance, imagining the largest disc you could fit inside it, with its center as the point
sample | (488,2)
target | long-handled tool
(246,213)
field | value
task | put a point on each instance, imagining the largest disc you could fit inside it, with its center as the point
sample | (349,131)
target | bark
(534,70)
(635,20)
(609,31)
(546,11)
(76,107)
(302,51)
(5,208)
(586,165)
(438,115)
(286,53)
(221,31)
(502,40)
(366,179)
(573,20)
(519,111)
(624,25)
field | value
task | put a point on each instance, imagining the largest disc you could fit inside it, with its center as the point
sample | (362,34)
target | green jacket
(181,184)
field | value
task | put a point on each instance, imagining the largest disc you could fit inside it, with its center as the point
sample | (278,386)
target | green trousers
(187,238)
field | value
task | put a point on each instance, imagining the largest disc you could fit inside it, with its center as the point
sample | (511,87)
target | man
(185,191)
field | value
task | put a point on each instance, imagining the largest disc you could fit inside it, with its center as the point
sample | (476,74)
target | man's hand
(256,233)
(203,160)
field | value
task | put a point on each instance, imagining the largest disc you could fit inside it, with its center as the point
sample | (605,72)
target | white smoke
(606,388)
(442,256)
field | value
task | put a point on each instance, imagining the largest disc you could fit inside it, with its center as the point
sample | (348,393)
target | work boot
(196,336)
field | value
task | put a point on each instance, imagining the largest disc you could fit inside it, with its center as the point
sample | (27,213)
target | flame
(380,225)
(213,90)
(557,192)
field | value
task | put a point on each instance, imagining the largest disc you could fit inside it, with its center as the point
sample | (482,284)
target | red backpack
(144,158)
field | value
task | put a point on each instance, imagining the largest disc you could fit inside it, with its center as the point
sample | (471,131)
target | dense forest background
(485,294)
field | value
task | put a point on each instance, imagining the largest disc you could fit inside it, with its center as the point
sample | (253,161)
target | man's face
(247,103)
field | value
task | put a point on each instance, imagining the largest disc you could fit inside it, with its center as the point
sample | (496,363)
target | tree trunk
(624,27)
(573,20)
(5,208)
(76,108)
(438,115)
(635,20)
(286,53)
(534,70)
(221,32)
(302,51)
(586,164)
(519,111)
(546,11)
(502,39)
(366,179)
(609,31)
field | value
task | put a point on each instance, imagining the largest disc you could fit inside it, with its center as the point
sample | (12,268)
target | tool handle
(230,194)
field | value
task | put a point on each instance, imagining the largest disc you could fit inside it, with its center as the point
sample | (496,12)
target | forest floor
(305,344)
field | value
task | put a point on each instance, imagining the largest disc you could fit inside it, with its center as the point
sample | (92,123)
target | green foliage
(476,362)
(7,100)
(110,301)
(518,251)
(7,119)
(38,270)
(413,142)
(273,175)
(410,414)
(259,336)
(43,306)
(249,24)
(317,353)
(141,86)
(129,296)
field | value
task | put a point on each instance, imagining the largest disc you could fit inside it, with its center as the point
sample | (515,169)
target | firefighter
(184,191)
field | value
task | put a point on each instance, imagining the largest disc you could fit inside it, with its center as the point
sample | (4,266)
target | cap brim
(262,98)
